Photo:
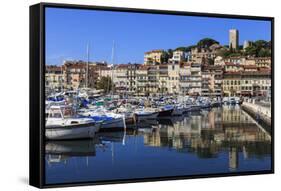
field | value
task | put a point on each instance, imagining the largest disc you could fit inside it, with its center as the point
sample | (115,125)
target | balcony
(141,80)
(163,74)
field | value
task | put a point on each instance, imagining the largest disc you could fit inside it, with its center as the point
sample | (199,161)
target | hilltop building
(153,57)
(234,39)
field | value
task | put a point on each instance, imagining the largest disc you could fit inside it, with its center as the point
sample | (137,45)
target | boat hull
(72,132)
(141,117)
(165,113)
(194,108)
(178,111)
(115,123)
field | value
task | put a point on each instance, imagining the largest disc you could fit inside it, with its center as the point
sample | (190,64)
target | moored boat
(62,124)
(165,111)
(107,119)
(145,114)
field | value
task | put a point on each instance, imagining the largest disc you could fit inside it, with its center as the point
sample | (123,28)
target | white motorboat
(61,123)
(107,119)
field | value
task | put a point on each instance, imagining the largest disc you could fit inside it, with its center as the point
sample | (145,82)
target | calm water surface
(220,140)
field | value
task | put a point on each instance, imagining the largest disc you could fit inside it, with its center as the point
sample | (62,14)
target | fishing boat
(63,124)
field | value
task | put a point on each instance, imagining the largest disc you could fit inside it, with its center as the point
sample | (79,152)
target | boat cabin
(61,112)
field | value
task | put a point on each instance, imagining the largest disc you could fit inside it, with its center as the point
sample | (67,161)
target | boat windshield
(68,112)
(61,113)
(55,113)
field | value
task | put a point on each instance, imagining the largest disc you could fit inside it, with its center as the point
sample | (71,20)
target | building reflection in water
(208,133)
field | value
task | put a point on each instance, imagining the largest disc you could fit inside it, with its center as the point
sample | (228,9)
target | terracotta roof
(121,66)
(143,67)
(53,68)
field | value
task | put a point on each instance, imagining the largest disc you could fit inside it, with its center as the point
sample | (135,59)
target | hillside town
(205,69)
(126,99)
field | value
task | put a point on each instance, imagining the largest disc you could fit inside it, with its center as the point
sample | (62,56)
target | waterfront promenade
(259,111)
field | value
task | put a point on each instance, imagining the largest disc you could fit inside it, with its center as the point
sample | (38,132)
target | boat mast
(112,62)
(87,66)
(61,80)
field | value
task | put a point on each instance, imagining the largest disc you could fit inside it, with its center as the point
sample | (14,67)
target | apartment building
(195,79)
(174,78)
(152,77)
(163,78)
(178,57)
(80,74)
(54,77)
(153,57)
(190,79)
(256,83)
(232,83)
(120,80)
(212,81)
(142,81)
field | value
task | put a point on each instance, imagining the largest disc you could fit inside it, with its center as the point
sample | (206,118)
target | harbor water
(219,140)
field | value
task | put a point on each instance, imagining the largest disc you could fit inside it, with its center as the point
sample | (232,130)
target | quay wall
(259,113)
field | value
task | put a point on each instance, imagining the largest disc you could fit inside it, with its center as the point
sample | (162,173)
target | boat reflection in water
(61,151)
(219,140)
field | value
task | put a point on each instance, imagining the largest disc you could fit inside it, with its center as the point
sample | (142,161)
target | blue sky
(69,30)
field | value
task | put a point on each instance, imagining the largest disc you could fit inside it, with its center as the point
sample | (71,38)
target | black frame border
(37,95)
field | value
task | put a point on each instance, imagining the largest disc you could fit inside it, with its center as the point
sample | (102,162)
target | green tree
(264,53)
(170,53)
(206,43)
(182,48)
(261,44)
(259,48)
(166,55)
(224,53)
(105,83)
